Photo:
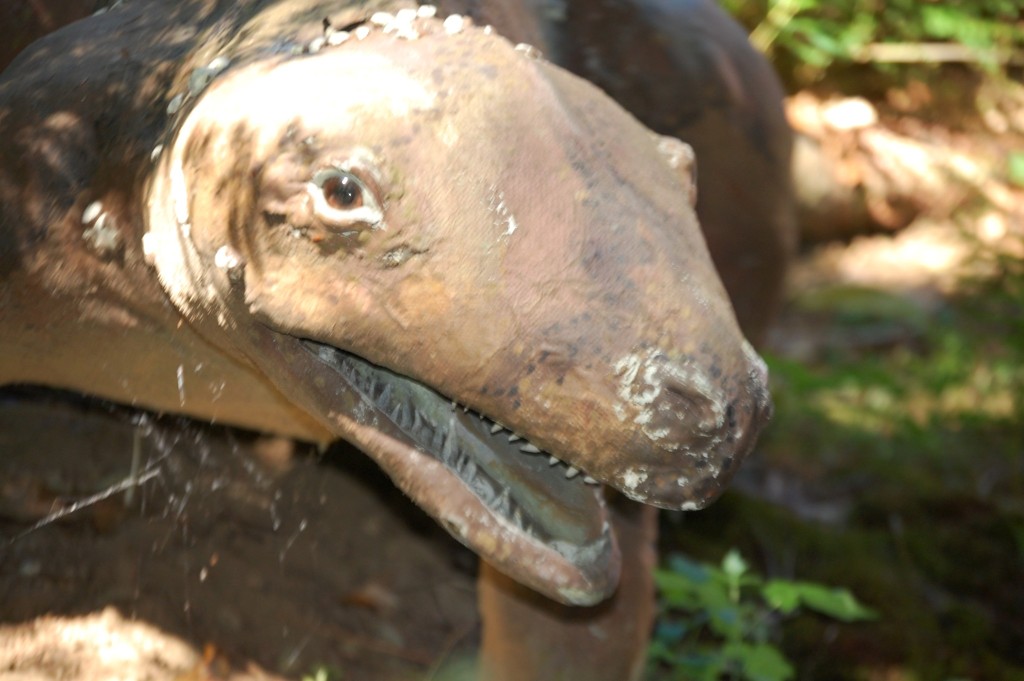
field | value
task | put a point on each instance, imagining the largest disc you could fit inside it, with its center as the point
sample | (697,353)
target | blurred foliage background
(810,40)
(894,467)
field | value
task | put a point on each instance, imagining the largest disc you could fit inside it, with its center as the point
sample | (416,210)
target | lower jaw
(512,507)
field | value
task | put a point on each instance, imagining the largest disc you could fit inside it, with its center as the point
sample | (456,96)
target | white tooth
(529,449)
(589,480)
(571,473)
(337,37)
(514,436)
(553,460)
(454,24)
(496,427)
(91,212)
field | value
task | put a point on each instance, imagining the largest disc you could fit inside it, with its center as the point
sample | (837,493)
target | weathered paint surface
(179,233)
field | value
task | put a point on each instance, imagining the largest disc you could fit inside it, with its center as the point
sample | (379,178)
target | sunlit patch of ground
(101,646)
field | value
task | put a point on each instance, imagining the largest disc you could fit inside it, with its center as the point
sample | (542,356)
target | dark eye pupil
(343,192)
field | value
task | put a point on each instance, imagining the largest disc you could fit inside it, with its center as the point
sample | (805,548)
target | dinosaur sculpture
(318,219)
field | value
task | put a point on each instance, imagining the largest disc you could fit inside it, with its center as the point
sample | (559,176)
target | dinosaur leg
(527,637)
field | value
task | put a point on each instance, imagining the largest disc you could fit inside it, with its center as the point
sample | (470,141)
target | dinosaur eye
(343,190)
(342,200)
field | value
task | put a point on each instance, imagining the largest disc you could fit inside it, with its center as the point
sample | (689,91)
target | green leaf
(1015,167)
(760,662)
(692,586)
(782,595)
(940,21)
(837,603)
(678,591)
(323,673)
(733,564)
(818,34)
(658,651)
(692,570)
(727,622)
(691,664)
(703,664)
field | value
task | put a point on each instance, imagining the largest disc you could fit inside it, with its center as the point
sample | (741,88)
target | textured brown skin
(624,620)
(527,636)
(684,69)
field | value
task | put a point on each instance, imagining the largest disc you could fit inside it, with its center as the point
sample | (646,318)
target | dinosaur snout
(695,421)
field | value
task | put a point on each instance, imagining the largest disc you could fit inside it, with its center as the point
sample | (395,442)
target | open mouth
(536,518)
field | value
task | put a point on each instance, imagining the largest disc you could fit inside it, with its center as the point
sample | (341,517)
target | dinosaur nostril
(689,407)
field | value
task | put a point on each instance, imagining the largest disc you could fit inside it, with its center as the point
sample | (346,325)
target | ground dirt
(238,557)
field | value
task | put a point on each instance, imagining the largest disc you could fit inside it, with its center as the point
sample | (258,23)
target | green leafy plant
(1015,168)
(820,33)
(722,621)
(322,673)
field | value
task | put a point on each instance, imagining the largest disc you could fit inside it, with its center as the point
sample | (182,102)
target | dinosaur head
(478,269)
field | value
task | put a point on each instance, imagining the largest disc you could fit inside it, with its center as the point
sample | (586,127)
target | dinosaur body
(399,231)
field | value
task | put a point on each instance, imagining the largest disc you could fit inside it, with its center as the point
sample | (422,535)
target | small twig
(127,483)
(766,32)
(133,473)
(923,53)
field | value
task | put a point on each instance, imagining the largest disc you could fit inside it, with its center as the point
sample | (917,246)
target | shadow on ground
(274,561)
